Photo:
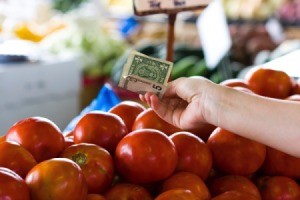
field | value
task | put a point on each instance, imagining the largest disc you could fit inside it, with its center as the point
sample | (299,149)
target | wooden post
(171,37)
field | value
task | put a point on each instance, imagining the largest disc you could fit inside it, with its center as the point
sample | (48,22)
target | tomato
(188,181)
(16,158)
(126,191)
(235,82)
(235,195)
(100,128)
(177,194)
(294,97)
(193,154)
(69,134)
(296,86)
(269,83)
(128,111)
(2,138)
(203,131)
(279,163)
(146,156)
(12,186)
(96,164)
(148,119)
(95,197)
(234,154)
(236,183)
(68,141)
(56,179)
(40,136)
(278,188)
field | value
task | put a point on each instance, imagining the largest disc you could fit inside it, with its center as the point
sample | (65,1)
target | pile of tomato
(129,153)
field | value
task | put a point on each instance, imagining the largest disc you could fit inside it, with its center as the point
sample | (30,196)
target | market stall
(87,111)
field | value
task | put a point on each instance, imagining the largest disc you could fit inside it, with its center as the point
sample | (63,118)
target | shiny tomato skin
(236,183)
(100,128)
(15,157)
(235,195)
(235,82)
(95,197)
(68,141)
(148,119)
(193,154)
(282,164)
(177,194)
(96,164)
(235,155)
(12,186)
(278,188)
(126,191)
(40,136)
(188,181)
(56,179)
(269,83)
(128,111)
(145,156)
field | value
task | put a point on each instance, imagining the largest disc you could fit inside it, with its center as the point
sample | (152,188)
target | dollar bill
(142,74)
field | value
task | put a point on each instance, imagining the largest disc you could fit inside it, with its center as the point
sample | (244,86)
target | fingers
(185,88)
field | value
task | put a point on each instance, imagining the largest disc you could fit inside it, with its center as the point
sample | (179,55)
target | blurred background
(56,55)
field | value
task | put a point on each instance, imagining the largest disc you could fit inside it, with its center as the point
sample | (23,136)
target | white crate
(47,88)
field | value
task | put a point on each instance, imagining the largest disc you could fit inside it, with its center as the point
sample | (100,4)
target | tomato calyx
(80,158)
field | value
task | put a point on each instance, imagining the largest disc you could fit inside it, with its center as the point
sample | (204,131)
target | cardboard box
(48,88)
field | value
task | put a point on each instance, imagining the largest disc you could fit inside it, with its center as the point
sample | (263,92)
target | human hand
(185,102)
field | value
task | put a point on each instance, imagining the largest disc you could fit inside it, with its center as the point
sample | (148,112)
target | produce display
(289,13)
(251,10)
(130,153)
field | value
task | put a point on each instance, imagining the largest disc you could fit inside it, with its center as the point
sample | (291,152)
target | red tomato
(96,164)
(146,156)
(187,181)
(177,194)
(68,141)
(279,163)
(234,154)
(100,128)
(2,138)
(235,195)
(41,137)
(203,131)
(278,188)
(148,119)
(235,82)
(15,157)
(296,86)
(125,191)
(128,111)
(236,183)
(269,83)
(12,186)
(95,197)
(69,134)
(193,154)
(57,178)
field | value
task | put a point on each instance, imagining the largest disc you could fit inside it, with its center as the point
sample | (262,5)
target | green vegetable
(67,5)
(182,66)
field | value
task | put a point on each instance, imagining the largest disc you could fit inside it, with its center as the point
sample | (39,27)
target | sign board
(289,63)
(147,7)
(214,33)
